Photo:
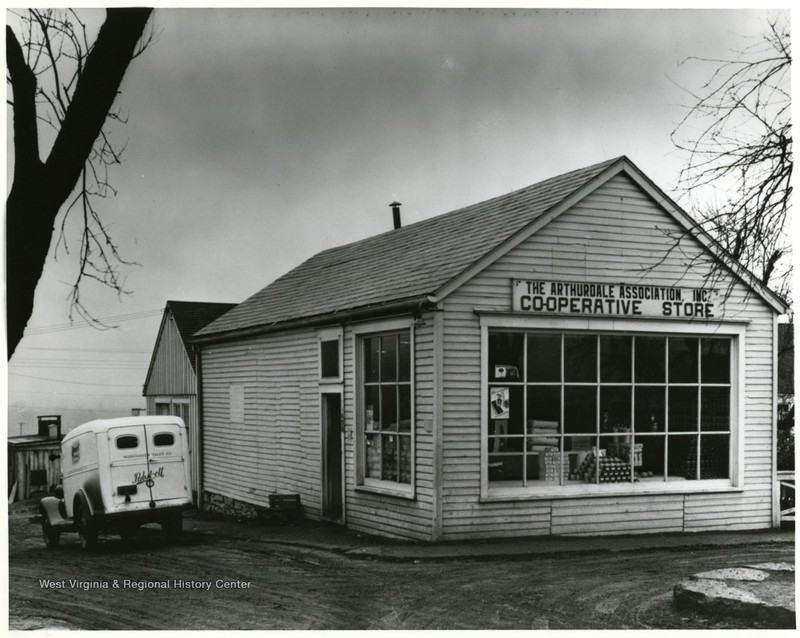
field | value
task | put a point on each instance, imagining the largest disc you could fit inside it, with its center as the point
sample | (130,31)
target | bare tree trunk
(39,189)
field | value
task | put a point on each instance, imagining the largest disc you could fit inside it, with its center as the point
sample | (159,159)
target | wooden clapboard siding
(626,515)
(470,521)
(276,447)
(384,514)
(171,372)
(712,511)
(608,237)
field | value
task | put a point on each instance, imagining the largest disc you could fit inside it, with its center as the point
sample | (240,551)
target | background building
(171,383)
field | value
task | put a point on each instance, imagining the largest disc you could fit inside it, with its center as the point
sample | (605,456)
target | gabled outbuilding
(569,358)
(171,383)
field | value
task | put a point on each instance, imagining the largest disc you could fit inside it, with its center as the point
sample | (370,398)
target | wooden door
(332,465)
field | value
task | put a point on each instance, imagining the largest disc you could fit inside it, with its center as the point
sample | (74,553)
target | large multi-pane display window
(571,408)
(386,405)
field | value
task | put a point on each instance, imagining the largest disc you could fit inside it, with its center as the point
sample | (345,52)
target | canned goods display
(611,469)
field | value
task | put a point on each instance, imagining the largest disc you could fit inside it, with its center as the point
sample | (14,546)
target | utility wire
(56,349)
(61,327)
(83,363)
(84,394)
(97,385)
(60,409)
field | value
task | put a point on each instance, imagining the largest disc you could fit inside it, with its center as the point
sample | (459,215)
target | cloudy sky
(258,137)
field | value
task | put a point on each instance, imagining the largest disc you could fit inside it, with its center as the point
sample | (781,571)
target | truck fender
(51,507)
(84,501)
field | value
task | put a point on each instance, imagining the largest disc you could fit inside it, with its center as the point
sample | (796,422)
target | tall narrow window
(386,407)
(330,354)
(329,359)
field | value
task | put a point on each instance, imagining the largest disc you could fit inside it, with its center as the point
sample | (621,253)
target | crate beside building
(170,386)
(563,359)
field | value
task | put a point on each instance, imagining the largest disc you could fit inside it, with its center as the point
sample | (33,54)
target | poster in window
(506,372)
(499,403)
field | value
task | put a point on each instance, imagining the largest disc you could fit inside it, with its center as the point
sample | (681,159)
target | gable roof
(405,263)
(429,259)
(189,316)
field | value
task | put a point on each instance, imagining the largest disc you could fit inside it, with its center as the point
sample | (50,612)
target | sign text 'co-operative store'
(628,300)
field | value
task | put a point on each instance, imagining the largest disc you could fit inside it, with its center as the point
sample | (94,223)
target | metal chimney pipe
(396,214)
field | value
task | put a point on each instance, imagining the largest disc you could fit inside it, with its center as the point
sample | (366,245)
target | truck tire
(87,529)
(172,527)
(51,536)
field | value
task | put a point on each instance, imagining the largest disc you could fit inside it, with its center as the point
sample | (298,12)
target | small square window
(163,439)
(580,358)
(127,442)
(329,359)
(715,360)
(544,357)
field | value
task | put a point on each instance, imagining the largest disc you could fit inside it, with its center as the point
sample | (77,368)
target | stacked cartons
(550,465)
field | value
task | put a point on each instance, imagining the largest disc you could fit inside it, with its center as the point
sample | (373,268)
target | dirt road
(208,582)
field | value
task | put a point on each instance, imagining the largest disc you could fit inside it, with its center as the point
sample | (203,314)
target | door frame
(331,390)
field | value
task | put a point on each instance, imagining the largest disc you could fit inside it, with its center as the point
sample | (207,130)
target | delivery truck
(120,474)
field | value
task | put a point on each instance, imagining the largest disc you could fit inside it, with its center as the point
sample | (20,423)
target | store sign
(626,300)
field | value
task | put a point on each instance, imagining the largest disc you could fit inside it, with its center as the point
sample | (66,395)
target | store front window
(386,408)
(573,409)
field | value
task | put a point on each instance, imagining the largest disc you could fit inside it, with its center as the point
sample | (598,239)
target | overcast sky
(257,138)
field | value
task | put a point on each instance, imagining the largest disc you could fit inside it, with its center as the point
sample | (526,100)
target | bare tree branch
(58,76)
(738,140)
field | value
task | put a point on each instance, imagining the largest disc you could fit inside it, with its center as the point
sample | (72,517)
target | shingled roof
(191,316)
(418,260)
(405,263)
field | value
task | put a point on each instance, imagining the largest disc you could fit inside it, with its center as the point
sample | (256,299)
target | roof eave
(413,305)
(708,242)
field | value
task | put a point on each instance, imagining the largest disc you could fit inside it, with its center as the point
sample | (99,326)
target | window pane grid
(387,408)
(557,444)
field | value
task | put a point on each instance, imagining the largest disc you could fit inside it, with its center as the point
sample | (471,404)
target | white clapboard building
(575,357)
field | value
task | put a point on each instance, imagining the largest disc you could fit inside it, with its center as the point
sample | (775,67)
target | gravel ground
(231,583)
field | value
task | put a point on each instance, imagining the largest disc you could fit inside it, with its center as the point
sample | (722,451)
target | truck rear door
(167,465)
(147,464)
(129,464)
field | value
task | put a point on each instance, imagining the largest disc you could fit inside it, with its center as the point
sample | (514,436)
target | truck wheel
(87,530)
(50,535)
(172,527)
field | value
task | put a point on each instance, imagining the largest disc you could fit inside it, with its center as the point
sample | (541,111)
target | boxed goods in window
(550,465)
